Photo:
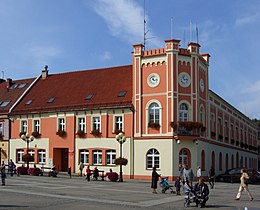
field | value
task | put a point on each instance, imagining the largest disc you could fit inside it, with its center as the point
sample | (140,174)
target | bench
(101,174)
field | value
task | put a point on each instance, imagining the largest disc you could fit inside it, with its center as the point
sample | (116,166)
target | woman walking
(244,185)
(155,177)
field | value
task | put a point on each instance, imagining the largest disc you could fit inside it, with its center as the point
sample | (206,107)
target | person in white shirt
(198,172)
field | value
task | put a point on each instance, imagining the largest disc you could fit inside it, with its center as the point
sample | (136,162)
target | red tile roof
(13,93)
(70,90)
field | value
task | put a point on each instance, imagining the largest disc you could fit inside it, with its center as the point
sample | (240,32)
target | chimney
(8,83)
(45,72)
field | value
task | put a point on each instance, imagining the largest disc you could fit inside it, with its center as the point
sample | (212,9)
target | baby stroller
(165,185)
(190,196)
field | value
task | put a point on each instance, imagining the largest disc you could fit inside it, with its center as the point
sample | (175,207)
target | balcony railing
(188,128)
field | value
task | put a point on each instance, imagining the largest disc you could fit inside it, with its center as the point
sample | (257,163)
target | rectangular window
(24,126)
(219,126)
(81,124)
(111,156)
(1,129)
(42,156)
(212,118)
(232,131)
(36,126)
(97,157)
(96,123)
(84,156)
(226,128)
(32,153)
(118,122)
(61,124)
(19,155)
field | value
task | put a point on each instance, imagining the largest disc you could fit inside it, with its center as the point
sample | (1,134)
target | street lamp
(121,139)
(27,138)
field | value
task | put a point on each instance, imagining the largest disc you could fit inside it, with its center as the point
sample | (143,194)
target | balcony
(188,128)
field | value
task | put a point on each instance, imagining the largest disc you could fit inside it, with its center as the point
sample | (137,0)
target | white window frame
(183,158)
(97,154)
(120,123)
(96,125)
(152,157)
(36,125)
(61,125)
(32,153)
(212,119)
(184,114)
(24,126)
(202,114)
(41,156)
(85,154)
(110,157)
(154,110)
(19,153)
(81,124)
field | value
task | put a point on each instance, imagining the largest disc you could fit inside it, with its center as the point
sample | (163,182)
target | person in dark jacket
(201,190)
(155,178)
(212,177)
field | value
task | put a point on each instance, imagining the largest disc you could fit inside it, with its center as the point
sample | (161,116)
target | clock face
(202,85)
(184,79)
(153,80)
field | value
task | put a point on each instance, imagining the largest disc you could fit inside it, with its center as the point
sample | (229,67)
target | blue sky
(87,34)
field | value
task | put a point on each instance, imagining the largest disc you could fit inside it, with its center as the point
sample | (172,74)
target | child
(178,186)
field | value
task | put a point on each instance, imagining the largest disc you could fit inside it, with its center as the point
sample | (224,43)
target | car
(233,175)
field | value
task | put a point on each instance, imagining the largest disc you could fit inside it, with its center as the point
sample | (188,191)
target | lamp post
(27,138)
(121,139)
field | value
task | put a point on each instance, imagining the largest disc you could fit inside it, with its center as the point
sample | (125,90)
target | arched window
(232,161)
(213,159)
(154,113)
(152,159)
(203,160)
(220,161)
(183,112)
(227,161)
(184,156)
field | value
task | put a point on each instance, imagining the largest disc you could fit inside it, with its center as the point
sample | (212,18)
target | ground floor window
(32,153)
(19,155)
(111,156)
(152,159)
(184,157)
(42,156)
(97,157)
(84,156)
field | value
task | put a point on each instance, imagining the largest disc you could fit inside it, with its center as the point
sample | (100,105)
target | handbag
(246,181)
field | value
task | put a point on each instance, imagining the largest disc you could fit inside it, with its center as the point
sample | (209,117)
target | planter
(27,158)
(121,161)
(96,132)
(117,131)
(36,134)
(61,133)
(21,170)
(34,171)
(154,125)
(112,176)
(81,133)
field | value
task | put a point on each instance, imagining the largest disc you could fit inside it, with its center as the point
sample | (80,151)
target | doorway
(60,158)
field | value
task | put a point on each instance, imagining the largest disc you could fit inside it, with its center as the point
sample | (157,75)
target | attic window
(89,96)
(22,85)
(121,93)
(51,100)
(13,86)
(29,102)
(5,103)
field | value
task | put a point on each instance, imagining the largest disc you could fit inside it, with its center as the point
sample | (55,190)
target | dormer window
(89,96)
(28,102)
(51,100)
(22,85)
(5,103)
(121,93)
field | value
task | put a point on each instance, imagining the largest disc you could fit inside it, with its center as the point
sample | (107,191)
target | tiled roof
(69,91)
(12,93)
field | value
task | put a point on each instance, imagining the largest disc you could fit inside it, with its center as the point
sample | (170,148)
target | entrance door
(60,158)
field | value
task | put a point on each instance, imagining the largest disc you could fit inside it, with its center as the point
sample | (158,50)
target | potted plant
(27,158)
(121,161)
(61,133)
(81,133)
(154,125)
(117,131)
(173,125)
(112,176)
(96,132)
(36,134)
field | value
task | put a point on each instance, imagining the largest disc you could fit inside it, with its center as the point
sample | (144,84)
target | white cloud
(43,54)
(250,18)
(125,20)
(106,56)
(253,88)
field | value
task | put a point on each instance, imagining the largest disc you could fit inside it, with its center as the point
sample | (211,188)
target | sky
(69,35)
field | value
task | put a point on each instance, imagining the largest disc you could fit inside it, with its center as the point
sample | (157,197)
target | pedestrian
(11,167)
(212,177)
(3,175)
(187,174)
(88,173)
(95,173)
(201,191)
(178,186)
(155,178)
(69,172)
(81,166)
(244,185)
(198,172)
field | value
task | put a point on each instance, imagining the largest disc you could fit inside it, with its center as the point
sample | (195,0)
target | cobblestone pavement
(29,192)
